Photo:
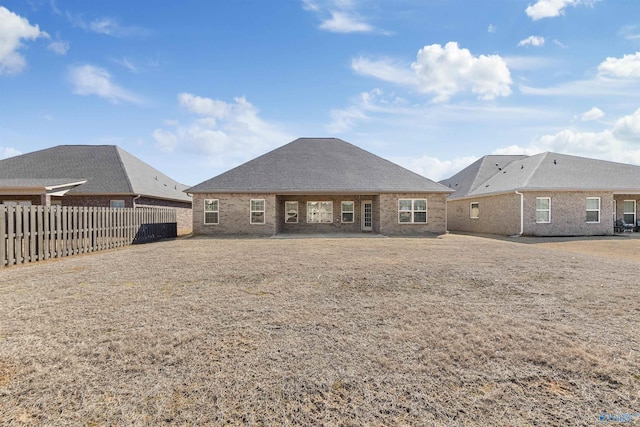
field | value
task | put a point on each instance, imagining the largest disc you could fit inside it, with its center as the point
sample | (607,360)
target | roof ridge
(542,156)
(124,169)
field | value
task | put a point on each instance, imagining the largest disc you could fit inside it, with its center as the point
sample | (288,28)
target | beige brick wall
(436,215)
(498,215)
(568,214)
(501,214)
(337,226)
(234,216)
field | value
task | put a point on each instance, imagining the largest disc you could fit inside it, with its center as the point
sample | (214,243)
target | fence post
(3,236)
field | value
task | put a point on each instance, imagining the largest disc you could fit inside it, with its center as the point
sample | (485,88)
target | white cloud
(165,140)
(621,143)
(373,101)
(552,8)
(107,26)
(14,29)
(436,169)
(533,41)
(223,133)
(92,80)
(385,70)
(447,71)
(339,16)
(6,152)
(342,22)
(626,67)
(627,128)
(491,29)
(59,47)
(593,114)
(559,43)
(444,72)
(630,32)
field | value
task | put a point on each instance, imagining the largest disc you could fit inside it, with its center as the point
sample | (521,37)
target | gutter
(521,213)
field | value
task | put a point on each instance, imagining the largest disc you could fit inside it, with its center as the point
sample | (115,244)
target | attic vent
(554,162)
(486,185)
(521,166)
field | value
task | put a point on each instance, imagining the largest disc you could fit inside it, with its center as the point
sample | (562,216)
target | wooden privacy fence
(34,233)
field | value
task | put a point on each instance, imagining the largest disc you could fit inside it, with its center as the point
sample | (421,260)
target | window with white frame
(291,212)
(319,212)
(116,203)
(543,210)
(412,211)
(211,211)
(347,212)
(257,211)
(629,211)
(474,210)
(593,209)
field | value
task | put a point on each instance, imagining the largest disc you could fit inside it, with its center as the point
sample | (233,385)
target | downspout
(134,200)
(521,212)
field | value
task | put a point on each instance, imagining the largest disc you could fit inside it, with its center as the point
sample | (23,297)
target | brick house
(548,194)
(90,175)
(319,185)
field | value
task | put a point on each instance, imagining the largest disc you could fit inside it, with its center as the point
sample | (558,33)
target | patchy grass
(456,330)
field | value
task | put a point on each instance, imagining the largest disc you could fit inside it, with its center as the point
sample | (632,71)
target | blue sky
(196,87)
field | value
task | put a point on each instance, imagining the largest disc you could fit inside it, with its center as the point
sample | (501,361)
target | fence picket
(35,233)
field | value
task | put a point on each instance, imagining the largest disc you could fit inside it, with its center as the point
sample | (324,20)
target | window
(474,210)
(593,209)
(116,203)
(257,211)
(319,212)
(412,211)
(543,210)
(629,211)
(291,212)
(211,211)
(16,203)
(347,211)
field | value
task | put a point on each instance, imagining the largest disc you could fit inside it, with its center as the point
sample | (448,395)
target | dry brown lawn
(455,330)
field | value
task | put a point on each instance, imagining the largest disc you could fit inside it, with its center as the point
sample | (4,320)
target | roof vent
(554,162)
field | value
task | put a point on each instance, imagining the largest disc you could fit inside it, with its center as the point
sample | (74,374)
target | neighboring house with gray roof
(90,175)
(319,185)
(548,194)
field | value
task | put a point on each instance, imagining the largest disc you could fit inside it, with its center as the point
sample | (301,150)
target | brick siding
(500,214)
(234,213)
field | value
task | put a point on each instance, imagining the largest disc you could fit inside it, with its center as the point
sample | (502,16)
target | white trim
(252,211)
(216,211)
(363,225)
(548,210)
(595,210)
(413,211)
(352,212)
(286,218)
(471,210)
(319,213)
(633,212)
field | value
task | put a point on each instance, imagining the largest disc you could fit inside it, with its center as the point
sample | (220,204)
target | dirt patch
(455,330)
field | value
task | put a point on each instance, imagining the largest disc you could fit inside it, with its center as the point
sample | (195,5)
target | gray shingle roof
(108,169)
(318,165)
(546,171)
